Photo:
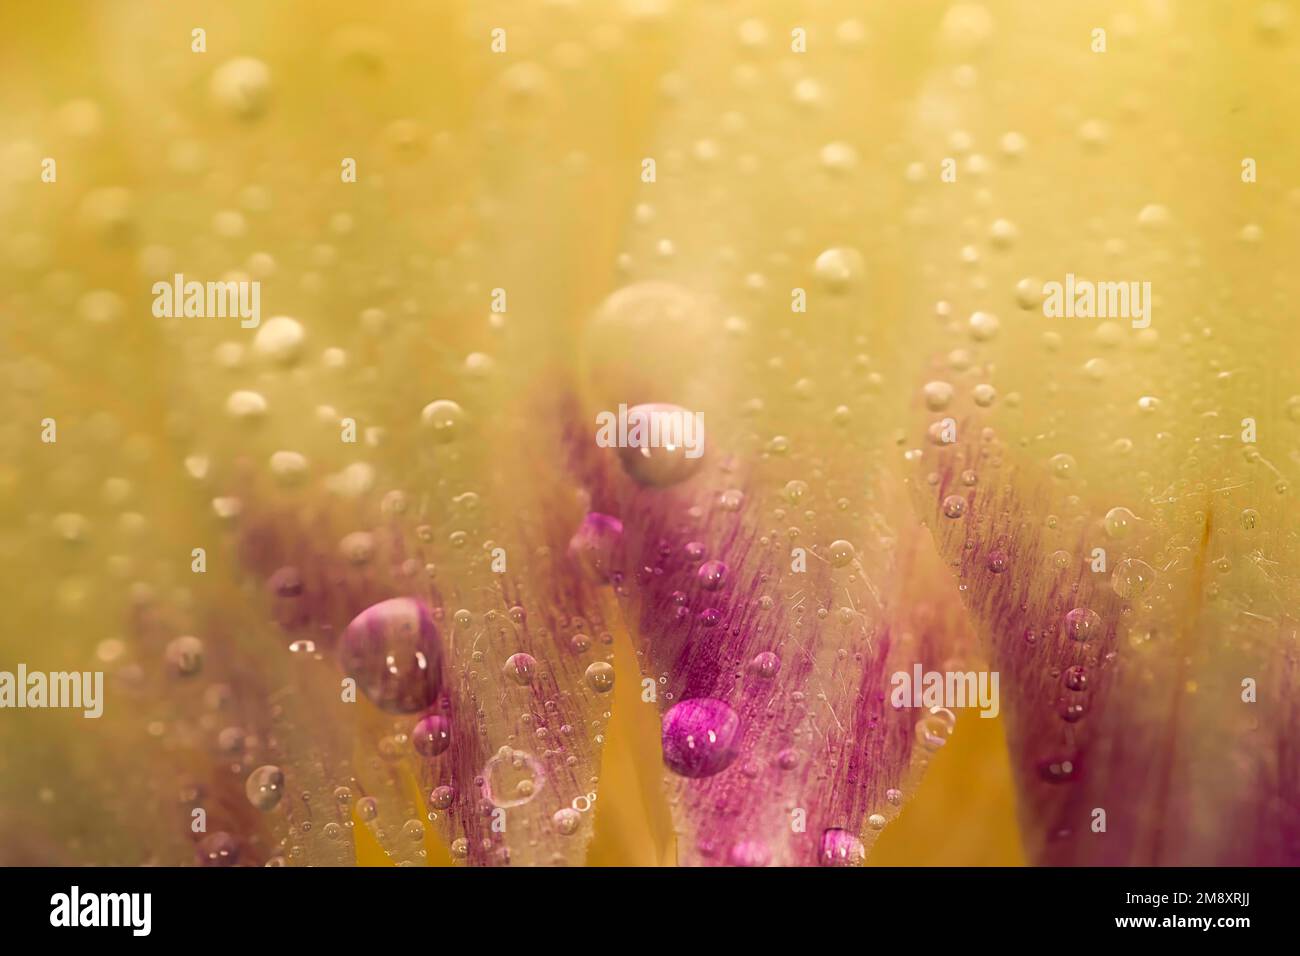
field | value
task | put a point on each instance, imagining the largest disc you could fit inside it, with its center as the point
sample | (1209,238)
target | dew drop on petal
(280,339)
(984,326)
(1075,678)
(712,574)
(765,665)
(512,778)
(839,268)
(566,821)
(241,87)
(600,677)
(431,735)
(750,853)
(670,448)
(842,553)
(841,848)
(218,849)
(701,737)
(184,655)
(934,729)
(1063,466)
(937,395)
(1082,624)
(1132,578)
(394,652)
(1119,522)
(520,668)
(444,418)
(265,787)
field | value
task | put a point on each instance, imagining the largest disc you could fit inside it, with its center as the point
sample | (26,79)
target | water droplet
(765,665)
(280,339)
(750,853)
(246,405)
(937,395)
(286,582)
(841,848)
(712,574)
(413,831)
(842,553)
(1132,578)
(838,158)
(1119,522)
(368,809)
(431,735)
(218,849)
(184,655)
(1072,711)
(1082,624)
(512,778)
(600,677)
(665,444)
(934,729)
(241,87)
(1063,466)
(520,668)
(701,737)
(794,491)
(984,326)
(288,467)
(1058,769)
(567,820)
(839,268)
(1029,293)
(444,418)
(1075,678)
(394,652)
(265,787)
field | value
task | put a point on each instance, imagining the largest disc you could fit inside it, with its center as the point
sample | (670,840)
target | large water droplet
(394,652)
(520,668)
(665,444)
(701,737)
(600,677)
(241,87)
(431,735)
(512,778)
(712,574)
(1119,522)
(1132,578)
(280,339)
(839,268)
(444,418)
(264,787)
(841,848)
(1082,624)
